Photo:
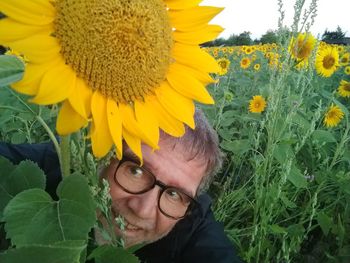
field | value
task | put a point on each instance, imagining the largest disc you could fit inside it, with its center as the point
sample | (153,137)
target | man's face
(144,221)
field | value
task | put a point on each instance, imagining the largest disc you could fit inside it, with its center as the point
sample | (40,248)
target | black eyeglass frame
(163,187)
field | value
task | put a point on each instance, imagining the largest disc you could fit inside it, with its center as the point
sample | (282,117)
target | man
(162,201)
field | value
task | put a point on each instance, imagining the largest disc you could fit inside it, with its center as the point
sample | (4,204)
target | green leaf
(15,179)
(282,152)
(61,252)
(286,201)
(238,147)
(323,136)
(276,229)
(18,137)
(110,254)
(70,218)
(325,222)
(297,178)
(11,70)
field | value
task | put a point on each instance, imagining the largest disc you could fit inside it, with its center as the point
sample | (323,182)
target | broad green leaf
(303,123)
(323,136)
(15,179)
(18,138)
(283,152)
(32,217)
(61,252)
(11,70)
(287,202)
(297,178)
(325,222)
(238,147)
(110,254)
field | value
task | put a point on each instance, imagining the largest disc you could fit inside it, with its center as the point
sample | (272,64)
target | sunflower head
(347,70)
(245,63)
(301,48)
(345,59)
(333,116)
(224,64)
(124,69)
(344,89)
(327,61)
(257,104)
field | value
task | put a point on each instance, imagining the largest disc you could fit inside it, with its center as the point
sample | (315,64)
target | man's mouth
(130,227)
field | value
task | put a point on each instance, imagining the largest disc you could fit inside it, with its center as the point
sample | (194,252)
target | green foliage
(11,70)
(110,254)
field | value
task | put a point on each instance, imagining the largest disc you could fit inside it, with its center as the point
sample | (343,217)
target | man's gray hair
(201,143)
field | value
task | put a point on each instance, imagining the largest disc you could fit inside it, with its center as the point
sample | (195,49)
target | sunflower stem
(65,156)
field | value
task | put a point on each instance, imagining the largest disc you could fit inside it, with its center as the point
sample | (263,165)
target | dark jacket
(196,238)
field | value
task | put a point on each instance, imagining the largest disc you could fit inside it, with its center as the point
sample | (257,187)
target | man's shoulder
(196,238)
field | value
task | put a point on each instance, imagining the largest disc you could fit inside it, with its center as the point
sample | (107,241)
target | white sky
(257,16)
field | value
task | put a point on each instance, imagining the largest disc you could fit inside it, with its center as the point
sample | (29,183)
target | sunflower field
(282,115)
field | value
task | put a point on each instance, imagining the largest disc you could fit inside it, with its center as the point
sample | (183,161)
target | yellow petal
(205,34)
(68,120)
(181,4)
(176,105)
(56,85)
(133,127)
(167,122)
(101,138)
(146,119)
(31,12)
(187,85)
(195,57)
(194,18)
(32,77)
(37,48)
(10,30)
(134,143)
(115,126)
(80,99)
(203,77)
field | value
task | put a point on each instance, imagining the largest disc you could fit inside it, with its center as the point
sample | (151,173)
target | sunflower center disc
(328,62)
(121,48)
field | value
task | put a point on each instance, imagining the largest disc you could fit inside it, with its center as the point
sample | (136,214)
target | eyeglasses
(134,179)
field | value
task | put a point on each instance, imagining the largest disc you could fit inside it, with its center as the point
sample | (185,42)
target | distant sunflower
(347,70)
(327,61)
(245,63)
(301,48)
(344,89)
(249,50)
(345,59)
(257,67)
(224,64)
(333,116)
(126,67)
(257,104)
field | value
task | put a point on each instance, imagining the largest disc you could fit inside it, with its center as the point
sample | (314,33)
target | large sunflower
(126,68)
(327,61)
(301,48)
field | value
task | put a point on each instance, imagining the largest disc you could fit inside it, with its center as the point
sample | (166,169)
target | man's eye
(174,195)
(136,172)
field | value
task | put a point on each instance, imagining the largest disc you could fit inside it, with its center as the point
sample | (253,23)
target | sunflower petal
(68,120)
(195,57)
(167,122)
(177,105)
(145,117)
(56,85)
(115,126)
(194,18)
(205,34)
(101,138)
(203,77)
(32,77)
(134,143)
(37,48)
(80,99)
(11,30)
(34,12)
(187,85)
(181,4)
(133,127)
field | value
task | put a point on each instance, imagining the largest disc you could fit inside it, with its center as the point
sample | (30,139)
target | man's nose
(145,205)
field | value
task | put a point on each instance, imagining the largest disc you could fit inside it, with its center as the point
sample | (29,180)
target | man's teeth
(130,226)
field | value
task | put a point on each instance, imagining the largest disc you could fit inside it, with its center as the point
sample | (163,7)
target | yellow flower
(257,104)
(245,63)
(333,116)
(257,67)
(248,50)
(224,64)
(344,88)
(129,68)
(347,70)
(327,61)
(345,59)
(301,48)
